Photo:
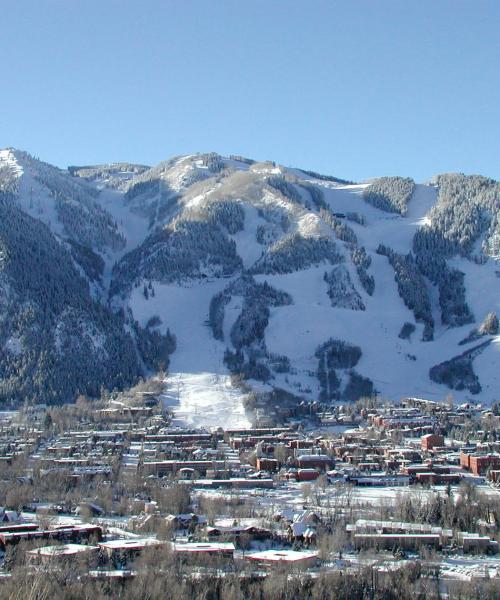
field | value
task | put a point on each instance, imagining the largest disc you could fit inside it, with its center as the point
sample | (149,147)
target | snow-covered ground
(391,363)
(295,495)
(34,198)
(483,296)
(246,244)
(198,387)
(297,330)
(131,225)
(204,400)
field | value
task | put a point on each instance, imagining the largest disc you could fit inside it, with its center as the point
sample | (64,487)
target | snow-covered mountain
(286,279)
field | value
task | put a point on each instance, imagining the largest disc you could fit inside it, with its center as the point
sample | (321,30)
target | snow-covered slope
(266,230)
(199,388)
(66,204)
(264,272)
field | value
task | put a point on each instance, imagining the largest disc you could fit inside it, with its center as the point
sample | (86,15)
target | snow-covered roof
(276,556)
(204,547)
(64,550)
(131,544)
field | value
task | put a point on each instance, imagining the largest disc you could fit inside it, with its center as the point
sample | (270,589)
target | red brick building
(479,464)
(432,440)
(267,464)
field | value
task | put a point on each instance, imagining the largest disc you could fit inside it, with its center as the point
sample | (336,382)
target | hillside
(288,279)
(58,336)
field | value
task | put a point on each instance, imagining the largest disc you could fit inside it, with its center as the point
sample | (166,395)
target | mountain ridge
(357,263)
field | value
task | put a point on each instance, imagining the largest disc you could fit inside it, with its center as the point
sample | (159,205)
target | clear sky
(354,88)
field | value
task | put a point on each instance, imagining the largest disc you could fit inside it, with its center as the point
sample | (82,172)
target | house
(301,532)
(301,525)
(185,521)
(238,534)
(8,516)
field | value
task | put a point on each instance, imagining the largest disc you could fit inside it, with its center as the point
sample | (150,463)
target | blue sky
(356,89)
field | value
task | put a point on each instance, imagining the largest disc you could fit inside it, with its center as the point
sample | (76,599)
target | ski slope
(397,367)
(198,387)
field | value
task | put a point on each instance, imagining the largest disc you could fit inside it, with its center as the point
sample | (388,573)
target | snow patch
(14,346)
